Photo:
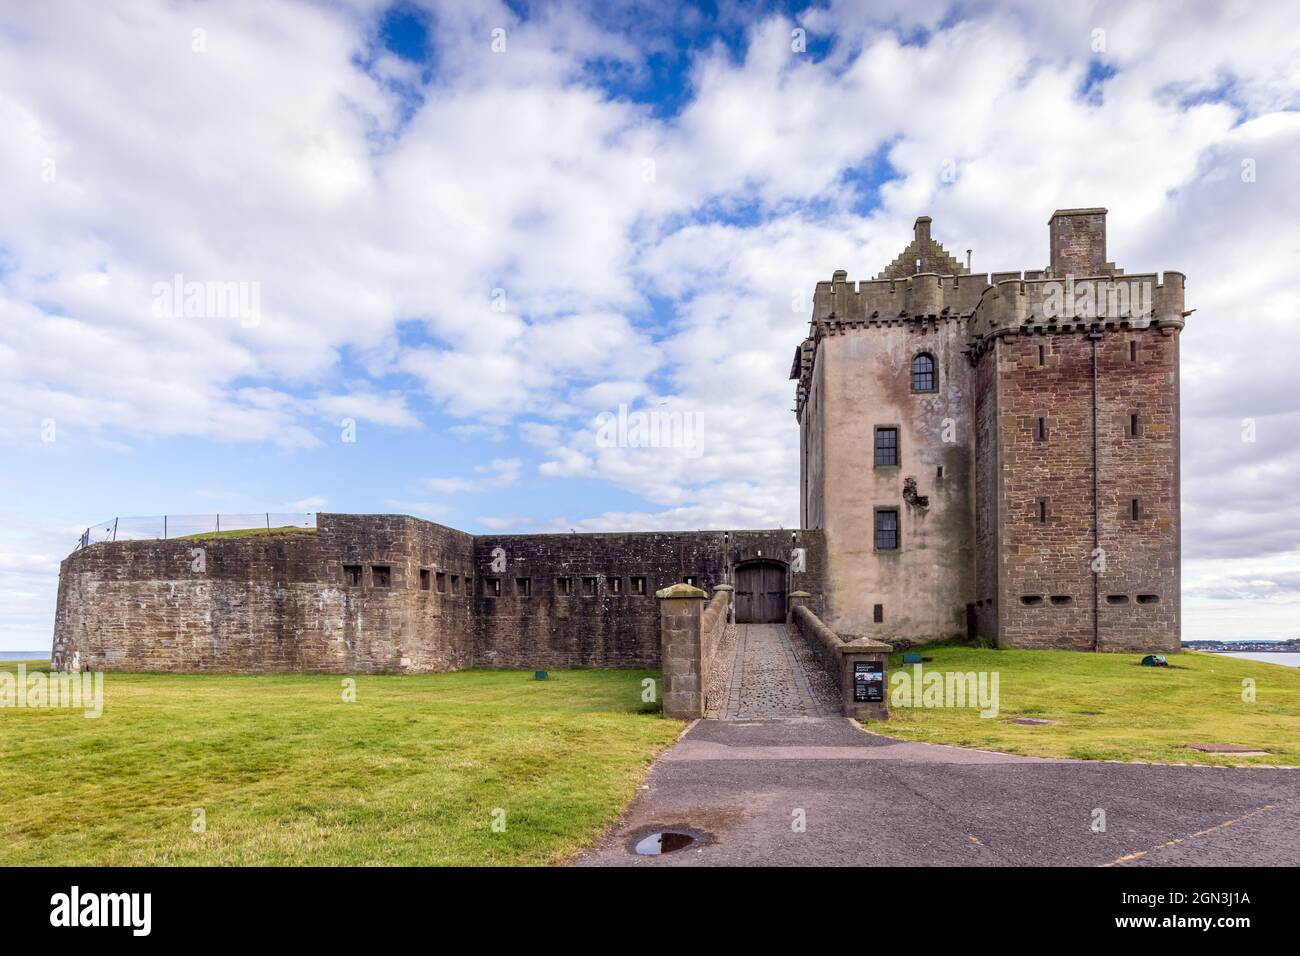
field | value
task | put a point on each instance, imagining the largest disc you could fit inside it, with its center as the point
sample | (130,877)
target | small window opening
(492,587)
(1031,600)
(886,447)
(455,584)
(381,575)
(524,587)
(1148,598)
(1042,511)
(1060,600)
(352,575)
(1042,355)
(939,473)
(690,579)
(878,613)
(615,584)
(1133,425)
(440,582)
(425,577)
(638,585)
(923,373)
(564,586)
(1116,599)
(588,587)
(1041,432)
(1135,509)
(1132,351)
(886,529)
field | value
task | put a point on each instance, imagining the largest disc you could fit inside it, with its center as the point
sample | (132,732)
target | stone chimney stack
(922,230)
(1078,238)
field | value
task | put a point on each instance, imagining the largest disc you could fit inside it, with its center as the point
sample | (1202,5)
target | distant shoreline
(1253,650)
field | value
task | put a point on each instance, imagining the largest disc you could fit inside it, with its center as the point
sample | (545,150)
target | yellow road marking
(1129,857)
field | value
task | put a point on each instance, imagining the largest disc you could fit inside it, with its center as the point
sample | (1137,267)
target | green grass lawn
(1111,708)
(287,531)
(288,773)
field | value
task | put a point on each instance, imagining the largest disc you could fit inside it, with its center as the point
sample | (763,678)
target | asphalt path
(821,791)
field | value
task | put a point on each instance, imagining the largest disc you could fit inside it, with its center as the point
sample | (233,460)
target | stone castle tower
(997,454)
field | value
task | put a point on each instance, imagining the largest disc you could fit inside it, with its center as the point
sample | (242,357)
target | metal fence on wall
(154,527)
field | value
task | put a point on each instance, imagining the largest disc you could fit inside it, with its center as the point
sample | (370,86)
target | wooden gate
(760,593)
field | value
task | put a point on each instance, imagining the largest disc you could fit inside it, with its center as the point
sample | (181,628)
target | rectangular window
(1042,355)
(469,585)
(939,473)
(886,447)
(381,575)
(352,575)
(615,584)
(564,586)
(1040,432)
(1042,511)
(1133,351)
(588,587)
(878,613)
(886,529)
(425,577)
(638,585)
(455,584)
(1135,509)
(1134,426)
(690,579)
(524,587)
(492,587)
(440,582)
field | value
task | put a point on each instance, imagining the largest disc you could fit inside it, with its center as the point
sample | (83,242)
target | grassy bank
(1111,708)
(286,531)
(286,772)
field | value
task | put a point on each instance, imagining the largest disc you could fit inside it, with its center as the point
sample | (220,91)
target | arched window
(923,373)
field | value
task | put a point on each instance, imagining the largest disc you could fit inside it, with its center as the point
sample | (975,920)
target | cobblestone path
(774,677)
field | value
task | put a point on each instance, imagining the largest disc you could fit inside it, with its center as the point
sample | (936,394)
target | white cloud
(498,473)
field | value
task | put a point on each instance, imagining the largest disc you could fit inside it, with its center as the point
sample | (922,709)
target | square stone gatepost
(873,656)
(680,607)
(793,600)
(731,599)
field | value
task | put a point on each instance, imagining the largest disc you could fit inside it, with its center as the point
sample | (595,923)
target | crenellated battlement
(923,294)
(1021,304)
(998,303)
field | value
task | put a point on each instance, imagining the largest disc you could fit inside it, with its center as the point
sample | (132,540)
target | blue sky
(473,228)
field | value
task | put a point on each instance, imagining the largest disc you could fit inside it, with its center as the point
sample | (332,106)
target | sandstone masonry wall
(589,599)
(391,593)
